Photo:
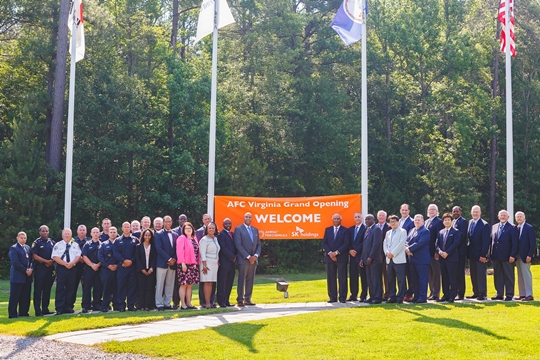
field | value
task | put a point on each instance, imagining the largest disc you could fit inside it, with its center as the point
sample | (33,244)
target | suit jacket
(418,244)
(462,226)
(451,246)
(526,241)
(244,246)
(408,225)
(340,243)
(371,248)
(199,234)
(479,240)
(356,243)
(504,246)
(227,251)
(434,227)
(140,256)
(164,249)
(397,248)
(21,260)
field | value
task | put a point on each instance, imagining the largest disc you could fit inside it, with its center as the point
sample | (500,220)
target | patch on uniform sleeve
(55,247)
(33,244)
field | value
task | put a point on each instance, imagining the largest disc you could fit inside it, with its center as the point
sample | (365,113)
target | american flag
(502,19)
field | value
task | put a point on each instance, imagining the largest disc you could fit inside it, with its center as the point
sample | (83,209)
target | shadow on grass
(242,333)
(453,323)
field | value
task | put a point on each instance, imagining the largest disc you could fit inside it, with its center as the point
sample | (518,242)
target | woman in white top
(209,251)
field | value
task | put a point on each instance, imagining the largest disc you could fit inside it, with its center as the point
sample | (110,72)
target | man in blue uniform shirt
(43,271)
(20,277)
(66,254)
(91,279)
(126,276)
(109,266)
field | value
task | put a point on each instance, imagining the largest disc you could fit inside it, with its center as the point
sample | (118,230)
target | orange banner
(288,218)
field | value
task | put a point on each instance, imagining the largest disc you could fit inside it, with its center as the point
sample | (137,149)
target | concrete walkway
(132,332)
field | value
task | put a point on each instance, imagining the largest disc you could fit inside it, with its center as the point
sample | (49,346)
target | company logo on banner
(288,218)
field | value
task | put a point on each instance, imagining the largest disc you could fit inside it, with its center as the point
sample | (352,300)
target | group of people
(136,268)
(414,253)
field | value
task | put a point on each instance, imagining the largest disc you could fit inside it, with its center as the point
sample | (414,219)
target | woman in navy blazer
(145,261)
(447,244)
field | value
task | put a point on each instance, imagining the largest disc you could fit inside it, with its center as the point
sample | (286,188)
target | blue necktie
(250,233)
(356,231)
(473,225)
(501,228)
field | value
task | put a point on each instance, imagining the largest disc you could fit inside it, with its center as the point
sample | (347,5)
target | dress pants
(92,289)
(461,284)
(165,278)
(19,296)
(79,269)
(384,278)
(396,272)
(449,278)
(478,278)
(524,278)
(108,280)
(354,272)
(374,276)
(43,282)
(420,272)
(176,292)
(503,278)
(246,277)
(434,278)
(410,278)
(126,280)
(225,282)
(146,290)
(65,286)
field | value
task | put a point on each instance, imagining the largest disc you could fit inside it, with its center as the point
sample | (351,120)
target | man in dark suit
(526,248)
(462,226)
(503,256)
(181,220)
(447,247)
(372,259)
(20,277)
(165,242)
(248,245)
(227,264)
(406,223)
(336,246)
(434,225)
(356,238)
(417,249)
(479,241)
(206,219)
(383,225)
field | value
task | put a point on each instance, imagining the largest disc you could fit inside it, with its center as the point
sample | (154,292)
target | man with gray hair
(336,246)
(434,224)
(503,255)
(479,240)
(526,248)
(66,254)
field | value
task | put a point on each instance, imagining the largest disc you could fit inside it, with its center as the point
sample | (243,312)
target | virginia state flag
(348,21)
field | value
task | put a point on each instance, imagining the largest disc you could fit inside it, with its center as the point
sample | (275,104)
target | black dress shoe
(69,311)
(443,299)
(160,308)
(59,313)
(420,302)
(132,309)
(84,311)
(474,296)
(331,301)
(433,297)
(352,299)
(392,301)
(249,303)
(121,309)
(376,302)
(508,298)
(413,300)
(191,307)
(240,304)
(497,298)
(167,307)
(104,309)
(175,307)
(451,301)
(528,298)
(481,298)
(459,298)
(361,300)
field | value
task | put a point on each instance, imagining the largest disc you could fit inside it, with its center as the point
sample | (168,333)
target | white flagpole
(509,129)
(212,145)
(71,109)
(364,157)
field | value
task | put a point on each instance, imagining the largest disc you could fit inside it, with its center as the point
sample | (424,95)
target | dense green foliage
(288,110)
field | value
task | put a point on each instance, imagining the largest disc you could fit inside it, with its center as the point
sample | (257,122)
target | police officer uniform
(91,278)
(124,249)
(43,276)
(108,277)
(65,278)
(20,284)
(103,237)
(80,265)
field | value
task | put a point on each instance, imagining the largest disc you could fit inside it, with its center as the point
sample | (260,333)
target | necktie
(250,233)
(473,225)
(444,239)
(230,234)
(428,223)
(501,228)
(356,231)
(392,237)
(335,233)
(381,226)
(66,253)
(454,223)
(519,231)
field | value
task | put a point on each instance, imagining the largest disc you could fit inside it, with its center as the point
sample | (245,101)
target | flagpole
(212,145)
(364,157)
(71,109)
(509,128)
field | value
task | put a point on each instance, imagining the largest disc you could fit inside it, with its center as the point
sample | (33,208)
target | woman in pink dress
(187,252)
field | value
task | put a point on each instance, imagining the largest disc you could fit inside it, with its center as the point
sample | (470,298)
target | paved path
(132,332)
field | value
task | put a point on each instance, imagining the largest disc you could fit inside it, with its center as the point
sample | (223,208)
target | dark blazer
(340,243)
(462,226)
(505,246)
(452,244)
(21,260)
(356,243)
(164,249)
(408,225)
(243,244)
(479,240)
(435,226)
(140,256)
(371,248)
(418,243)
(526,242)
(227,249)
(199,233)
